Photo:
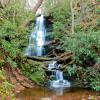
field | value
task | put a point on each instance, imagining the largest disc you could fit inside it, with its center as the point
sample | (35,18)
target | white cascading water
(59,82)
(59,75)
(52,65)
(37,39)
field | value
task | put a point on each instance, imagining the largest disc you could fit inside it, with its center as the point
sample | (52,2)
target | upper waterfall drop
(37,39)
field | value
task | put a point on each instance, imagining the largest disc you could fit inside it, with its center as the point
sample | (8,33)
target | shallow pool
(38,93)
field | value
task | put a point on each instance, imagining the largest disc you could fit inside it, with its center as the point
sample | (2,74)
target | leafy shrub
(34,70)
(6,89)
(95,84)
(14,39)
(13,32)
(84,77)
(85,47)
(61,18)
(71,70)
(84,44)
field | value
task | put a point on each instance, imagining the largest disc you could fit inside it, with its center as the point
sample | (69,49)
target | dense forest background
(76,24)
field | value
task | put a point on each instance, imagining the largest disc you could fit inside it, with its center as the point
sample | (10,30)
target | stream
(39,93)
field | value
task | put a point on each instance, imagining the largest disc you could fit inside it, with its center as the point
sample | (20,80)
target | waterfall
(40,36)
(37,39)
(59,75)
(36,48)
(52,65)
(59,81)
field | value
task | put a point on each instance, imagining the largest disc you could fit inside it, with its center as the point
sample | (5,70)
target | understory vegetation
(13,41)
(84,43)
(6,89)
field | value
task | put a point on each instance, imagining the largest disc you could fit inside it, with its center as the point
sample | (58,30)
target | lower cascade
(59,81)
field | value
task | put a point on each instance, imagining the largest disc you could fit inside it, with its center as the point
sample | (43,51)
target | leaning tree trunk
(3,3)
(38,4)
(34,10)
(82,10)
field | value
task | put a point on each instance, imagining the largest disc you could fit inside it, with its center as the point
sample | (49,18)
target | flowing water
(37,39)
(59,81)
(38,93)
(59,75)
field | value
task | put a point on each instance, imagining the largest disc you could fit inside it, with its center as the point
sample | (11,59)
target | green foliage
(13,34)
(13,39)
(85,46)
(71,70)
(34,70)
(10,47)
(88,77)
(95,84)
(7,28)
(38,77)
(60,11)
(61,19)
(2,75)
(65,4)
(6,89)
(15,11)
(11,62)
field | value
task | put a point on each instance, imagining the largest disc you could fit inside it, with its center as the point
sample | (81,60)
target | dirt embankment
(20,82)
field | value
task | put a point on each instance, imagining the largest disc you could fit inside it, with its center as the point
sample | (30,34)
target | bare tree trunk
(72,13)
(37,6)
(82,9)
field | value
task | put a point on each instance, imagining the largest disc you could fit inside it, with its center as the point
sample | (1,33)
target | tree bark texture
(3,3)
(72,13)
(38,4)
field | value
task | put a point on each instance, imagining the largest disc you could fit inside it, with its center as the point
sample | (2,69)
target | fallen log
(63,57)
(65,54)
(41,58)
